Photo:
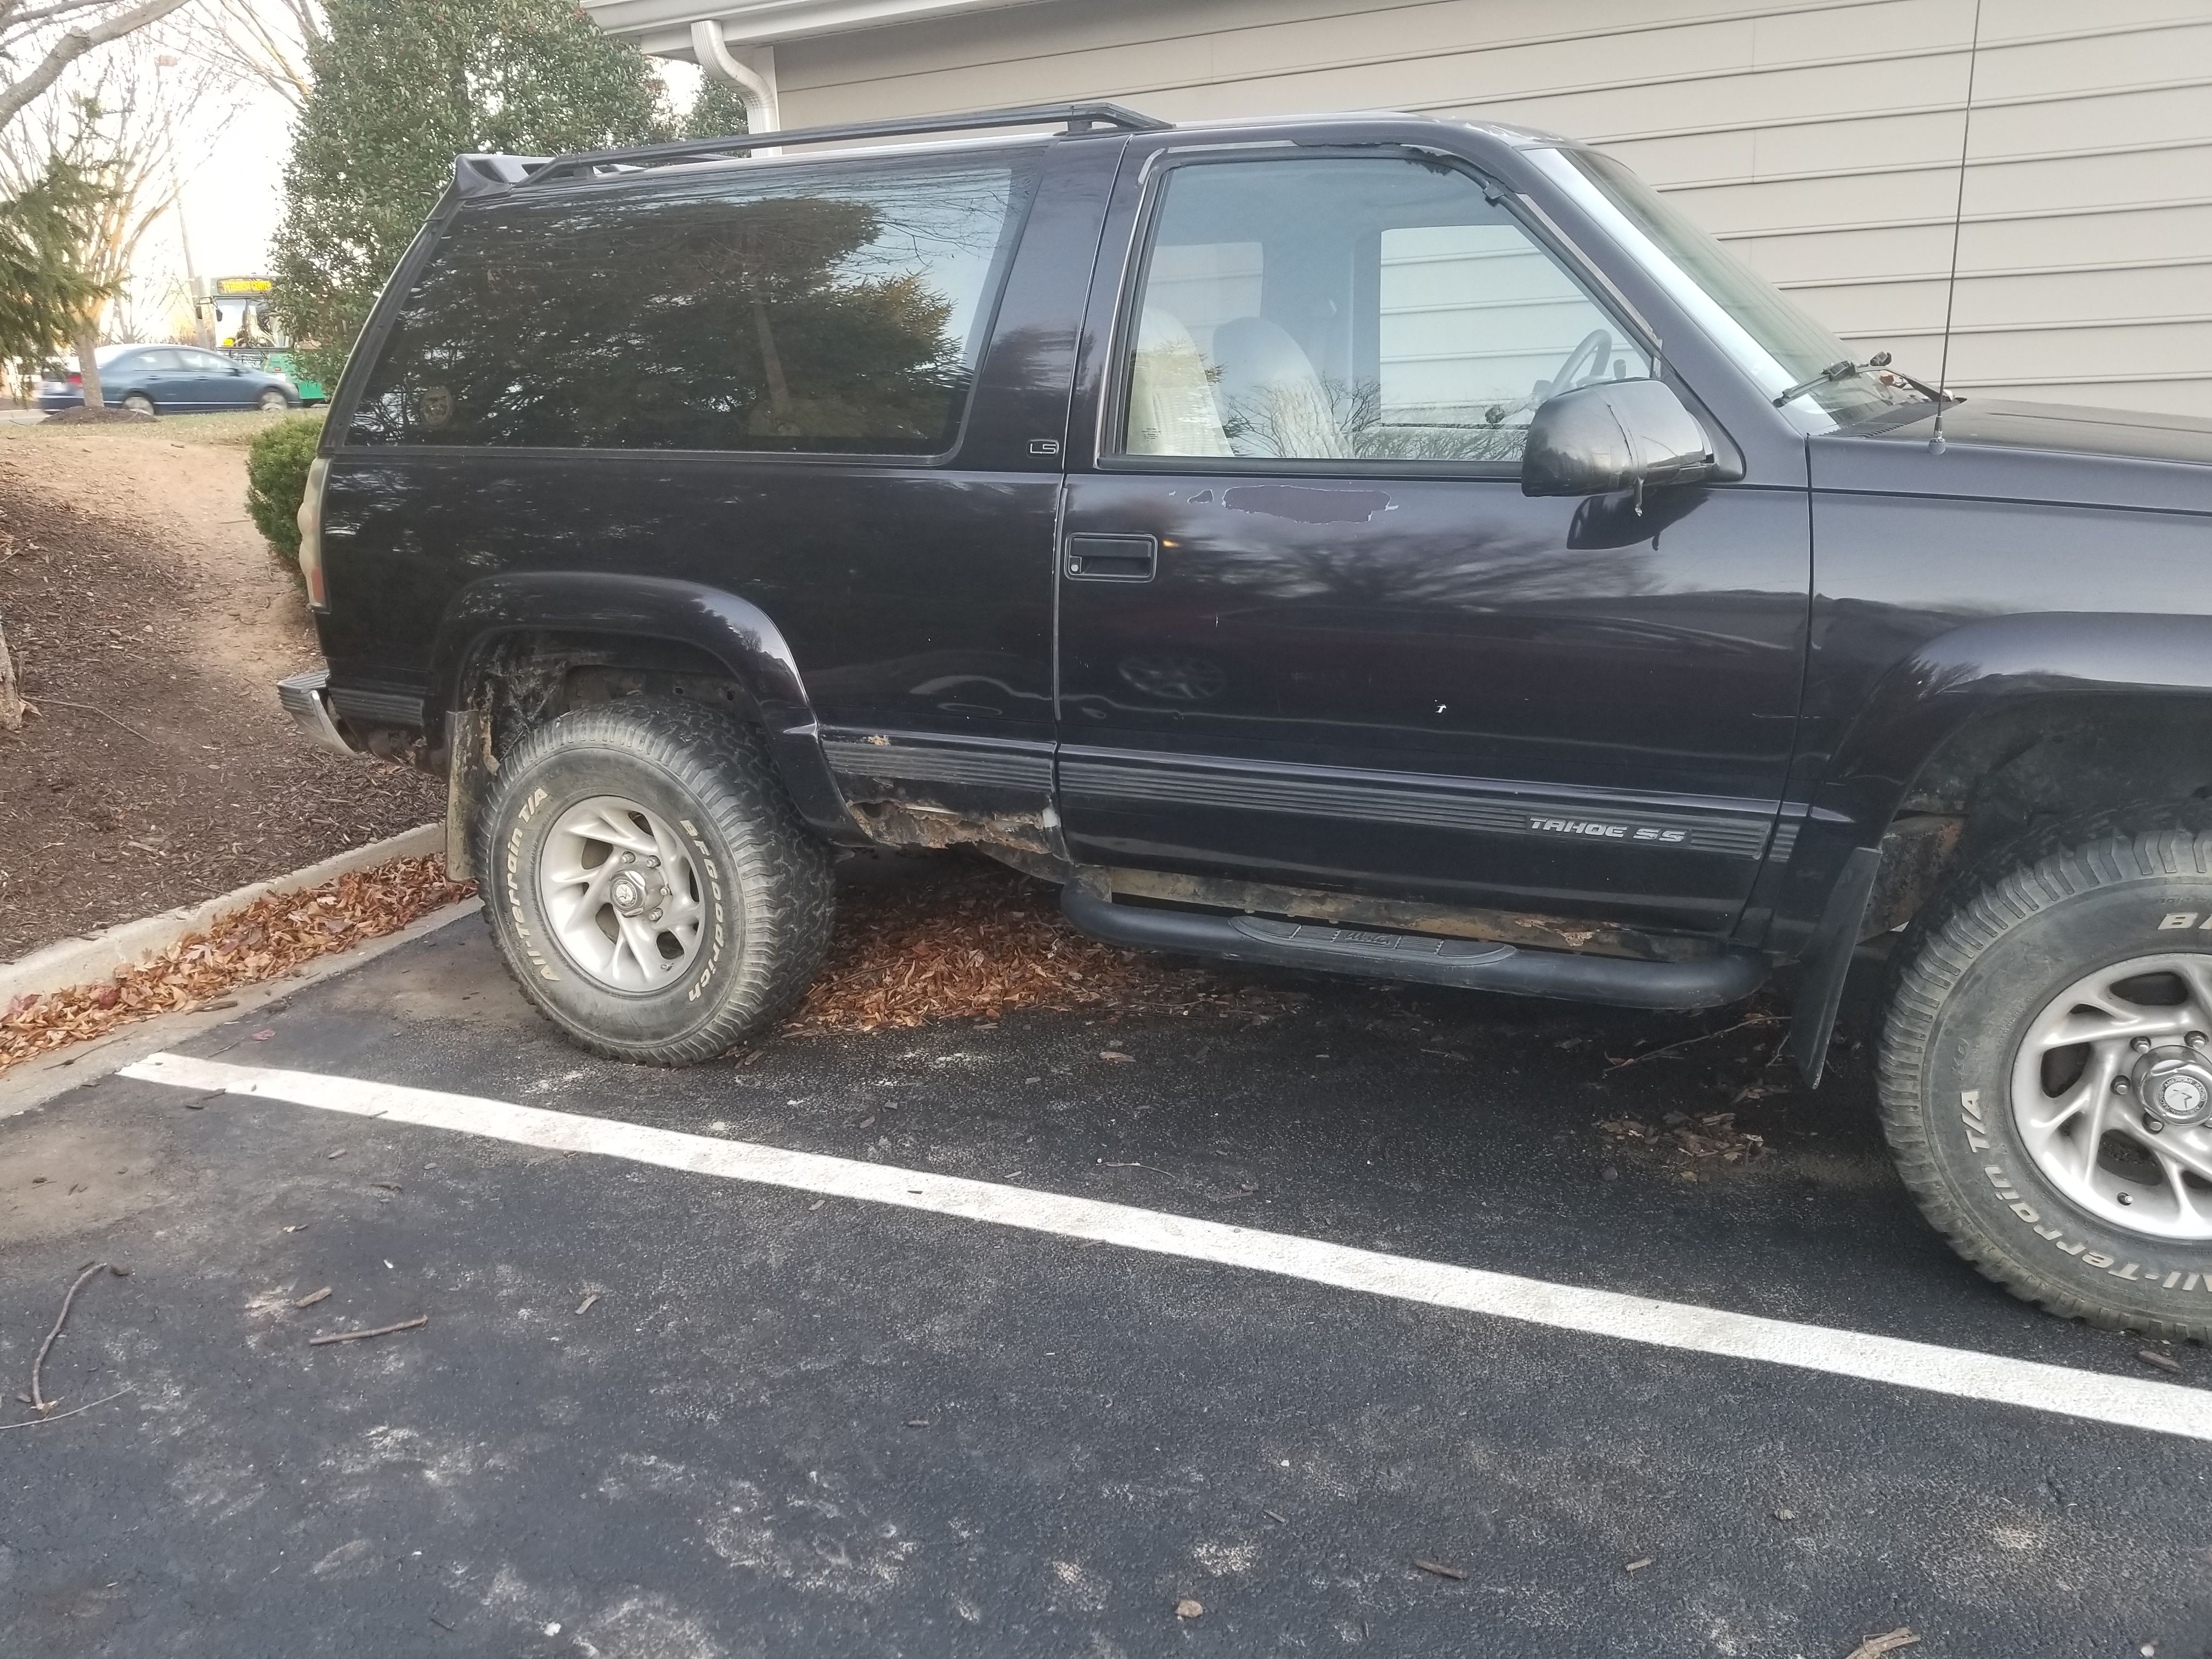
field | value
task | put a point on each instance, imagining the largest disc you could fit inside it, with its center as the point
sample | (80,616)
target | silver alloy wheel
(622,894)
(2112,1093)
(270,402)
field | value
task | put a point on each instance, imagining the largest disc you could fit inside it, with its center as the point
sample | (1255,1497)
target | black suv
(1372,543)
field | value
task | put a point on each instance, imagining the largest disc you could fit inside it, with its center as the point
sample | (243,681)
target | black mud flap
(1828,964)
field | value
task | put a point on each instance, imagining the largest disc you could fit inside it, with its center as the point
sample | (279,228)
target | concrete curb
(34,1083)
(83,961)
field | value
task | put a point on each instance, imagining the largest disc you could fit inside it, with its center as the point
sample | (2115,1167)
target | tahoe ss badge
(1605,831)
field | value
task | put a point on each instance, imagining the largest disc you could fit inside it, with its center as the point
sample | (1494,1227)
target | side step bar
(1424,959)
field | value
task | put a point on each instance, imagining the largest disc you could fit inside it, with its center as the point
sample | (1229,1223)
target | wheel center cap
(637,892)
(2171,1083)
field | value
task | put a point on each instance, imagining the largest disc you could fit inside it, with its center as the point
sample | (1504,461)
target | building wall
(1820,138)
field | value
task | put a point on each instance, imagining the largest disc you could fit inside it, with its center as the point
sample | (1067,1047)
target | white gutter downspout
(756,91)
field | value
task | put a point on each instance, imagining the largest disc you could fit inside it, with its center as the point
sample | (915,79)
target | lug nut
(2119,1085)
(629,858)
(655,916)
(2124,1197)
(2197,1039)
(2152,1126)
(2141,1045)
(652,863)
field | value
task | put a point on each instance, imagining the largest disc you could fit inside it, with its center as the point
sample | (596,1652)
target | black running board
(1421,959)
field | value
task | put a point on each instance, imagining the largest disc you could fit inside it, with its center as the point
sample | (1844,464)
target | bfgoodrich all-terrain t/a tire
(2046,1070)
(650,887)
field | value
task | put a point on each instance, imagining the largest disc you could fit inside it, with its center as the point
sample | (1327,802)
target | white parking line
(2131,1402)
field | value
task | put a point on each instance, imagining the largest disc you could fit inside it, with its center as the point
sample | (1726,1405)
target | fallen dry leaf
(1874,1647)
(1188,1608)
(269,936)
(978,941)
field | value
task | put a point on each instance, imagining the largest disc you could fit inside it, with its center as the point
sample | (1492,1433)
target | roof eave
(662,27)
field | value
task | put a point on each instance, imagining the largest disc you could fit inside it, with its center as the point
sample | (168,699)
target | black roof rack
(1074,118)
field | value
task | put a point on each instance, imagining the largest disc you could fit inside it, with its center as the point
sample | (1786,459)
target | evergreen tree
(716,112)
(46,288)
(400,87)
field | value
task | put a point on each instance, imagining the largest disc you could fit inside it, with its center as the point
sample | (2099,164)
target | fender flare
(735,632)
(1928,694)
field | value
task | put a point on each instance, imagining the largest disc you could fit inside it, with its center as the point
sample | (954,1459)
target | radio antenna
(1958,221)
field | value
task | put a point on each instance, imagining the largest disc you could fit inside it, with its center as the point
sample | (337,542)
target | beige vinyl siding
(1821,139)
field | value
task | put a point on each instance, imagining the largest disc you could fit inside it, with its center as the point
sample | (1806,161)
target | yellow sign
(244,285)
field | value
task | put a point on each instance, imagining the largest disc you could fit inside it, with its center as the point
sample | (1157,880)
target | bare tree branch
(74,45)
(263,42)
(19,24)
(134,125)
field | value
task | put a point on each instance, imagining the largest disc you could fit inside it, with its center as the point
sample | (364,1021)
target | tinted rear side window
(797,309)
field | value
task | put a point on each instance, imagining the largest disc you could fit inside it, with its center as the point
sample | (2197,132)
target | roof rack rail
(1075,118)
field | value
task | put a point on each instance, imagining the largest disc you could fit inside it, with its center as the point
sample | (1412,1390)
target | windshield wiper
(1845,369)
(1842,371)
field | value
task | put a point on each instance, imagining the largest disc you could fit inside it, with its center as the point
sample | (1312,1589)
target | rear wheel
(272,402)
(2046,1072)
(650,885)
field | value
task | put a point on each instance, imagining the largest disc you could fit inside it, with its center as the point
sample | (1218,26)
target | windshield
(1776,343)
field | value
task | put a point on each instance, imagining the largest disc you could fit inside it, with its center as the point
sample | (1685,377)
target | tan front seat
(1172,410)
(1275,400)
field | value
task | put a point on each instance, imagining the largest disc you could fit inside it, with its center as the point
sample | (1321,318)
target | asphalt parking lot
(791,1420)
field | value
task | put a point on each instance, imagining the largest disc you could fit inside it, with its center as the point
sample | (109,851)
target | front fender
(1942,683)
(736,633)
(1927,695)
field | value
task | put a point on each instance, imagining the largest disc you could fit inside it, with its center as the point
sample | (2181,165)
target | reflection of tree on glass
(775,309)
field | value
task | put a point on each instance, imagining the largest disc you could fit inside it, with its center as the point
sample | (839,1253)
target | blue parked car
(173,379)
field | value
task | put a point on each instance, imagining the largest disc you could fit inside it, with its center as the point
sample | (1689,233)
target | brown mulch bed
(191,781)
(106,414)
(271,936)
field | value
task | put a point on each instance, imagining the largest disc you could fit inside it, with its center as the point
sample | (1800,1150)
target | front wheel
(272,402)
(2046,1072)
(650,887)
(139,402)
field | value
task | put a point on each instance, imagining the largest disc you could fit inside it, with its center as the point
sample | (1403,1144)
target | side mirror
(1616,434)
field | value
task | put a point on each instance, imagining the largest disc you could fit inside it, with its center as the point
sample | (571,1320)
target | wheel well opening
(521,680)
(2015,771)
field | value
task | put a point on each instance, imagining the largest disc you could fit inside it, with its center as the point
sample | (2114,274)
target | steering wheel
(1596,346)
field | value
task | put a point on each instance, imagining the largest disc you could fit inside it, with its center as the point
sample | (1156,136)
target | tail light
(311,533)
(76,377)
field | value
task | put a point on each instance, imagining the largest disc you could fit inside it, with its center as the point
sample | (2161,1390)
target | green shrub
(276,479)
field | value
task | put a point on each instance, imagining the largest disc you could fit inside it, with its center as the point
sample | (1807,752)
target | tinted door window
(1341,310)
(796,308)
